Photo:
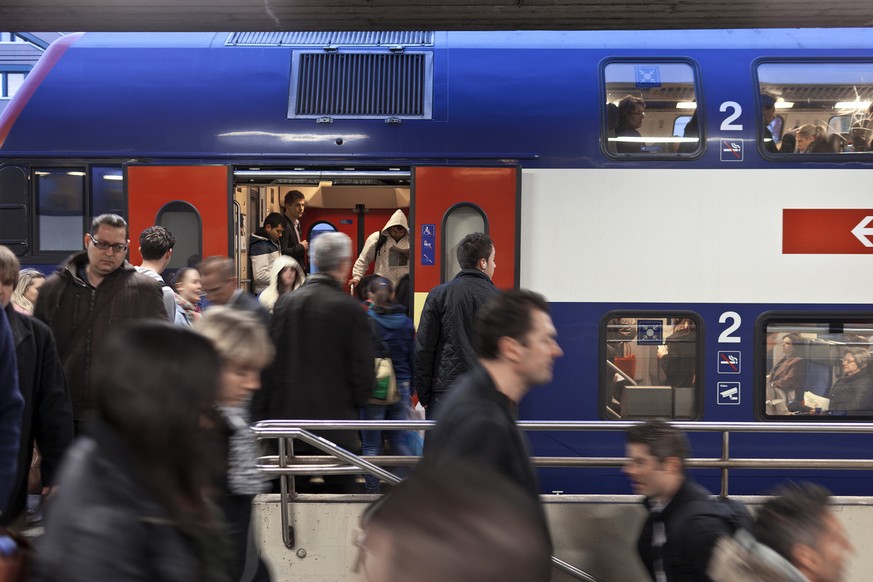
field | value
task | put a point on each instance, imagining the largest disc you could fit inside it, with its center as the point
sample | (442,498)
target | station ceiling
(352,15)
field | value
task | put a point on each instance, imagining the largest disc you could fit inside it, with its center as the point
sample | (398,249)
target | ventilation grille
(332,38)
(362,85)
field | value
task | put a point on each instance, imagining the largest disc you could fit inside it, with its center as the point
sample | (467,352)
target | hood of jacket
(260,234)
(397,219)
(391,316)
(741,557)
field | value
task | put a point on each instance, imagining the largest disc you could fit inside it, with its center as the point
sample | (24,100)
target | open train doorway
(441,205)
(352,201)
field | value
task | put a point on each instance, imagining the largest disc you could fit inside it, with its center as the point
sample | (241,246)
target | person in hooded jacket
(395,330)
(264,249)
(285,276)
(389,248)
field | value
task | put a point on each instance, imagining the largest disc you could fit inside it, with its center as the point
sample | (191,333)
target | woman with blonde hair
(286,275)
(25,294)
(812,139)
(244,349)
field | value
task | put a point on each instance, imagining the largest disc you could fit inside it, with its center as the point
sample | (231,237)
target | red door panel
(495,191)
(206,188)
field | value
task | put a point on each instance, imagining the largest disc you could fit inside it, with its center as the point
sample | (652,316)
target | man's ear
(805,558)
(672,464)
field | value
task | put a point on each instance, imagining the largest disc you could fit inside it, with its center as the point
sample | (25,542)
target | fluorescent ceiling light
(686,105)
(852,105)
(784,104)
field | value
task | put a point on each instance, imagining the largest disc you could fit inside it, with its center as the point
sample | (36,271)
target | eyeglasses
(116,248)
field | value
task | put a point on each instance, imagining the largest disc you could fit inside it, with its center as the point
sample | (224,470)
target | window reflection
(818,369)
(650,367)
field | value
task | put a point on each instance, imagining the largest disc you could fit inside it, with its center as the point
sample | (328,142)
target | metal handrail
(283,430)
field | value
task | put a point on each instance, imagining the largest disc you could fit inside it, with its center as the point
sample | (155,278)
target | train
(677,249)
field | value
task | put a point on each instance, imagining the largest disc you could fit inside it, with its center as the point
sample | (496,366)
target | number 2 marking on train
(727,336)
(727,124)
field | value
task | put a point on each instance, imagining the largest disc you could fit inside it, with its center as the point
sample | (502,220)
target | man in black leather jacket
(443,345)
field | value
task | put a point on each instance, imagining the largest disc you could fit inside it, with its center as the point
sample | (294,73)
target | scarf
(243,478)
(189,310)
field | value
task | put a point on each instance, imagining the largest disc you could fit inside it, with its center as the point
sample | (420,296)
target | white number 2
(727,124)
(726,336)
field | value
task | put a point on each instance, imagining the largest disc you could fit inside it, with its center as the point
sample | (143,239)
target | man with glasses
(91,293)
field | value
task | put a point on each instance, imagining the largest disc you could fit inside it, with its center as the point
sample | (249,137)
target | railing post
(284,493)
(725,456)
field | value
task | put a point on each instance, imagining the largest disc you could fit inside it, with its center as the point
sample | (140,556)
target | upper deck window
(650,366)
(815,367)
(825,107)
(643,100)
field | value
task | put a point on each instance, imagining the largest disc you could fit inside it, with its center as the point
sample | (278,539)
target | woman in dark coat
(852,393)
(131,502)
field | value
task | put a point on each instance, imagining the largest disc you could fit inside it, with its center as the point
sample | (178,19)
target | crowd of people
(136,396)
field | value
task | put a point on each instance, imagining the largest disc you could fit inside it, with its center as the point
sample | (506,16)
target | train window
(316,229)
(10,82)
(650,366)
(107,191)
(643,99)
(826,107)
(60,204)
(185,223)
(13,209)
(459,221)
(817,367)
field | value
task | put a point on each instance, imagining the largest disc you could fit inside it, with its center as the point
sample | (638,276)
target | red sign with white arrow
(826,231)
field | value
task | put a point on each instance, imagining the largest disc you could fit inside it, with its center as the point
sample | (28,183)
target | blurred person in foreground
(26,292)
(11,405)
(681,530)
(132,502)
(796,537)
(516,341)
(462,523)
(47,420)
(244,348)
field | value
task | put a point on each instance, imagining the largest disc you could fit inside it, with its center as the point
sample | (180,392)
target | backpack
(730,511)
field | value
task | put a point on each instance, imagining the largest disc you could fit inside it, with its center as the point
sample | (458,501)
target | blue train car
(685,200)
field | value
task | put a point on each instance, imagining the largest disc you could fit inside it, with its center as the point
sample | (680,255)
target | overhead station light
(780,104)
(686,105)
(852,105)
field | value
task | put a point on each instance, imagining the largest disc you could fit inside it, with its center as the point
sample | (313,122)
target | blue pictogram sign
(729,362)
(732,150)
(648,76)
(428,244)
(650,332)
(728,393)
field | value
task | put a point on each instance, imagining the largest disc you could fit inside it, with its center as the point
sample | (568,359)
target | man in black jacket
(680,533)
(293,242)
(516,341)
(90,294)
(443,345)
(48,414)
(324,352)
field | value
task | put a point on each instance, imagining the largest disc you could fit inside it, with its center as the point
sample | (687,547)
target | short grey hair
(330,249)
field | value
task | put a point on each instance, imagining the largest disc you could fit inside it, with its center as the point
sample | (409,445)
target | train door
(448,204)
(191,201)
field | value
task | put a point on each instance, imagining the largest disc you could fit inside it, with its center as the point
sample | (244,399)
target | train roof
(208,95)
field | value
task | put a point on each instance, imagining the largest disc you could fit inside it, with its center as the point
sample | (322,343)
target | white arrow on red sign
(862,233)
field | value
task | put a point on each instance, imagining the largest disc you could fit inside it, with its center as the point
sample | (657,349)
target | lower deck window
(817,368)
(650,366)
